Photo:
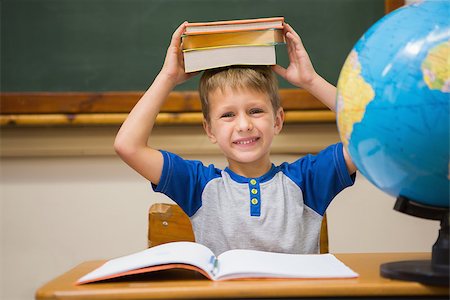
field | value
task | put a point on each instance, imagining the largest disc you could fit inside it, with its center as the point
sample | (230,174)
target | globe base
(415,270)
(431,272)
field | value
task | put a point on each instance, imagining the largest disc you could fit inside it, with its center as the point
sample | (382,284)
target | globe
(393,103)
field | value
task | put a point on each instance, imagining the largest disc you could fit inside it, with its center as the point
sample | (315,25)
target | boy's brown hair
(256,78)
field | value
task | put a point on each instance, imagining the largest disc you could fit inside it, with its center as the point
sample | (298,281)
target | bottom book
(232,264)
(197,60)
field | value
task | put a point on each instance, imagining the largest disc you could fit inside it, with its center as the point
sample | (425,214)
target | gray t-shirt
(280,211)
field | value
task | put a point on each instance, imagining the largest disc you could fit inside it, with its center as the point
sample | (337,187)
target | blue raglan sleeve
(321,177)
(183,181)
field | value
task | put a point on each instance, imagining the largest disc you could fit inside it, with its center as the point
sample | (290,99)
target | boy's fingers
(176,36)
(296,44)
(294,36)
(279,70)
(292,48)
(291,30)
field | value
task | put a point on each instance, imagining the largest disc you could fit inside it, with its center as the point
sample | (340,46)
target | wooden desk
(185,284)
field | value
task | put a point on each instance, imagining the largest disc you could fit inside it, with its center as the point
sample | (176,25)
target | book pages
(177,252)
(259,264)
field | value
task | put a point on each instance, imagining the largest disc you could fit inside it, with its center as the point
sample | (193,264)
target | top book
(234,25)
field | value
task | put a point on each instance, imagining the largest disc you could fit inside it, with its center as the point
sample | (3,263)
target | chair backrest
(168,223)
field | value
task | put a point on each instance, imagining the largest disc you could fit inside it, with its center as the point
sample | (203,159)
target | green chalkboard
(119,45)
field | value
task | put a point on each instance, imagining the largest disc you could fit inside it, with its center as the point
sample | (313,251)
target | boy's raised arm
(133,136)
(301,73)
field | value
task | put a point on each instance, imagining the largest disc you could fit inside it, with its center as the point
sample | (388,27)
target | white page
(250,263)
(238,55)
(177,252)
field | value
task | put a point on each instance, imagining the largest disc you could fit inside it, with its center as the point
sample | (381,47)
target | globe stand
(431,272)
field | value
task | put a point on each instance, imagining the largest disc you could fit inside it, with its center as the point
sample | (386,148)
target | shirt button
(252,181)
(254,191)
(254,201)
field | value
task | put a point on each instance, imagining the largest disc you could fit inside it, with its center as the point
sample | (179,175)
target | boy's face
(243,125)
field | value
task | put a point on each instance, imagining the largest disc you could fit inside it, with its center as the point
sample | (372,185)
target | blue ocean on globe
(393,103)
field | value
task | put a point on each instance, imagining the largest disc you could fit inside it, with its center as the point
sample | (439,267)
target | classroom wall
(66,198)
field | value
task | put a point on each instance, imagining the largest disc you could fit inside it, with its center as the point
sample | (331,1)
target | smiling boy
(251,204)
(242,114)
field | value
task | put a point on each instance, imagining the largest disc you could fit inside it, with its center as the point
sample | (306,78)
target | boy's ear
(208,131)
(279,120)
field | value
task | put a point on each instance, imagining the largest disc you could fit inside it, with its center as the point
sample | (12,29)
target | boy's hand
(300,71)
(173,68)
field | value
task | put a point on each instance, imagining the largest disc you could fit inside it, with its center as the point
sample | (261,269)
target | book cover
(232,264)
(229,39)
(235,25)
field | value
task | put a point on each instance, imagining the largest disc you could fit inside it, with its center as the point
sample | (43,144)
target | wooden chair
(168,223)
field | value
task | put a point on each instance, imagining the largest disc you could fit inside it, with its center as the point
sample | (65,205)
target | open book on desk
(232,264)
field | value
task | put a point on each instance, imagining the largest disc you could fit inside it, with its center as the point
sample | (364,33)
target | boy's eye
(256,111)
(227,115)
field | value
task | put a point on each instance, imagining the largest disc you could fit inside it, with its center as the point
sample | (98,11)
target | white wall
(66,198)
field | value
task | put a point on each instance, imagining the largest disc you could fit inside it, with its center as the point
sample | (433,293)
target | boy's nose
(244,123)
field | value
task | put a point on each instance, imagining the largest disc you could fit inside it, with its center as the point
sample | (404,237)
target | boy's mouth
(246,141)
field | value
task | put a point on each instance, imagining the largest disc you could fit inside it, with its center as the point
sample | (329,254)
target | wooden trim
(187,118)
(123,102)
(391,5)
(111,108)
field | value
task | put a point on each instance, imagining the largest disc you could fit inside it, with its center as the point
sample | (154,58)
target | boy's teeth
(246,142)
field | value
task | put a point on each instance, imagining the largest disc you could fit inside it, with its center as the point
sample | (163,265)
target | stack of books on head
(238,42)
